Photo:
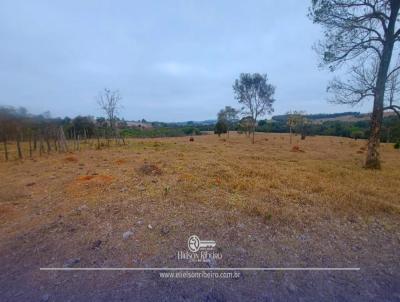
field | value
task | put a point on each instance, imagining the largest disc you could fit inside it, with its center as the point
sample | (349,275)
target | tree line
(357,130)
(38,134)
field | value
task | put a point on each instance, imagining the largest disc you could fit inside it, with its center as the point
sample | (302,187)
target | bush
(220,127)
(191,131)
(397,145)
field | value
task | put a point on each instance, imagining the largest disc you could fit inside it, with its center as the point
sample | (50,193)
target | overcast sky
(171,60)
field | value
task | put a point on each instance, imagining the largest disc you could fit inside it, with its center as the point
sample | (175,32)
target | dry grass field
(266,205)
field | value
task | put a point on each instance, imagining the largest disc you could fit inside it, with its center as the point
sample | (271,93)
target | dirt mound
(296,148)
(85,177)
(120,161)
(71,159)
(150,169)
(95,178)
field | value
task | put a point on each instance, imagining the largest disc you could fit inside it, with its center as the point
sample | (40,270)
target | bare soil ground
(265,205)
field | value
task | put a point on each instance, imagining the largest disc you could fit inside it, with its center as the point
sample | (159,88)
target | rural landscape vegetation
(287,190)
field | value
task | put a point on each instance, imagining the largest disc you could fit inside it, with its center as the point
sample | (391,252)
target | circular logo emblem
(194,243)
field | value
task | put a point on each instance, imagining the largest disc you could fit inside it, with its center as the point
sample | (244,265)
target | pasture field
(265,205)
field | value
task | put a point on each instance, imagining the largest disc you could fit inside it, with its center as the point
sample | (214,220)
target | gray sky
(171,60)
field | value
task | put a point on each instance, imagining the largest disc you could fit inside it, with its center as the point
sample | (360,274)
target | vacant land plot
(266,205)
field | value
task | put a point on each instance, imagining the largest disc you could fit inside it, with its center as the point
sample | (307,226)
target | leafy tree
(357,133)
(255,94)
(191,130)
(221,127)
(229,115)
(262,123)
(84,126)
(297,122)
(362,33)
(101,122)
(246,125)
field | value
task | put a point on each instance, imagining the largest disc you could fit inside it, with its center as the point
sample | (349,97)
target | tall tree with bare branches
(109,101)
(360,84)
(362,34)
(255,94)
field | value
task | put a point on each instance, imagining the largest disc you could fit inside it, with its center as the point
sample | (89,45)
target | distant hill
(342,116)
(185,124)
(351,118)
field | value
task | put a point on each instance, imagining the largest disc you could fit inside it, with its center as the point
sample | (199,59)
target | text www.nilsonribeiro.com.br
(198,275)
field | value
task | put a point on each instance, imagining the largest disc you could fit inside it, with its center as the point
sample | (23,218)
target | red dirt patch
(71,159)
(7,212)
(85,177)
(95,178)
(120,161)
(89,185)
(296,148)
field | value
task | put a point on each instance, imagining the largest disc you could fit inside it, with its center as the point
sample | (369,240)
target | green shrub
(191,131)
(397,145)
(220,127)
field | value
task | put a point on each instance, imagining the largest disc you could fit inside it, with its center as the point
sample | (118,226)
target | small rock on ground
(71,262)
(127,234)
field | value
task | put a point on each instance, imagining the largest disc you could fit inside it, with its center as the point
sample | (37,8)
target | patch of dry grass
(171,181)
(150,169)
(327,176)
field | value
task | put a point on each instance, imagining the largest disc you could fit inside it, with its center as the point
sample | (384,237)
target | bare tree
(392,99)
(361,32)
(360,84)
(255,94)
(5,129)
(62,140)
(109,101)
(12,122)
